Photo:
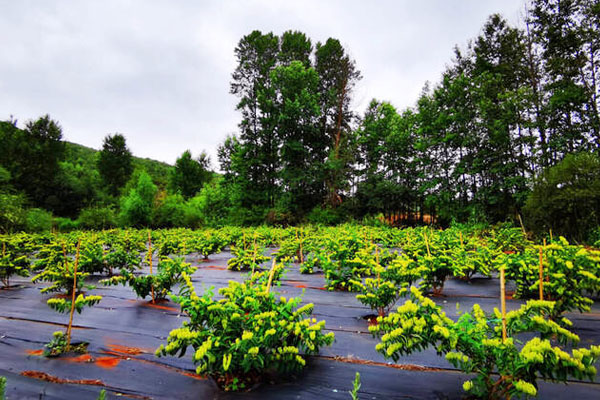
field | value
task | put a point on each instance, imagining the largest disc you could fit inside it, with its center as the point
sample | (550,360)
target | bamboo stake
(522,226)
(150,263)
(377,264)
(551,240)
(542,273)
(70,327)
(503,303)
(427,244)
(271,273)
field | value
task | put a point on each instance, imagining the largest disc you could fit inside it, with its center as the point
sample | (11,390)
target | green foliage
(12,265)
(137,206)
(12,212)
(380,295)
(571,273)
(169,272)
(170,212)
(246,259)
(355,387)
(189,175)
(64,306)
(38,220)
(66,224)
(566,198)
(248,333)
(97,218)
(2,388)
(58,346)
(211,206)
(102,395)
(474,344)
(115,162)
(325,216)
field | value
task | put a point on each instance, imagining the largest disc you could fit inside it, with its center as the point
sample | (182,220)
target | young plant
(355,387)
(12,265)
(70,303)
(247,259)
(2,388)
(61,276)
(570,275)
(169,272)
(246,335)
(378,293)
(208,243)
(503,368)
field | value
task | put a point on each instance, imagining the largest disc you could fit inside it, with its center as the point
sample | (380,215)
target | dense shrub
(566,198)
(171,212)
(66,224)
(38,220)
(324,216)
(246,335)
(97,218)
(12,212)
(137,205)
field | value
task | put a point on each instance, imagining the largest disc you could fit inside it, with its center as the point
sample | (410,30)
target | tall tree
(189,175)
(338,76)
(115,162)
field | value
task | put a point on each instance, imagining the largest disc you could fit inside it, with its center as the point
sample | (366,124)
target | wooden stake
(301,251)
(69,328)
(541,274)
(522,226)
(377,264)
(551,240)
(150,263)
(503,303)
(271,273)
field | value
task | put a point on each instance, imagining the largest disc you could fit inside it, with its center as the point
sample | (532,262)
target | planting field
(123,330)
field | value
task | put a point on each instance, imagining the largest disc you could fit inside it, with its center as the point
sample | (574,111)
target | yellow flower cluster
(525,387)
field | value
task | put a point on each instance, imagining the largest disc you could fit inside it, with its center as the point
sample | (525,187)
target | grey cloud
(159,71)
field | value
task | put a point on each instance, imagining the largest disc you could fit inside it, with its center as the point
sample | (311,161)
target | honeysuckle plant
(12,265)
(248,334)
(503,367)
(168,273)
(247,259)
(69,302)
(208,243)
(571,274)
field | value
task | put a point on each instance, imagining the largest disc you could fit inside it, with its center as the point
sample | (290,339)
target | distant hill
(158,170)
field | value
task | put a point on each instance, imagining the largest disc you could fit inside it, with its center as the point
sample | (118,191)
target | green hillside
(86,156)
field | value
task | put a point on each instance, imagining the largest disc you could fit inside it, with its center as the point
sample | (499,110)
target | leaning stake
(271,276)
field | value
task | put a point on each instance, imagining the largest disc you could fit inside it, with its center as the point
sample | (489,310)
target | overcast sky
(159,71)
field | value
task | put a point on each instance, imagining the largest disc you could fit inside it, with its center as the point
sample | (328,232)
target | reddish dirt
(159,307)
(406,367)
(50,378)
(219,267)
(107,362)
(84,358)
(35,352)
(124,350)
(297,284)
(155,305)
